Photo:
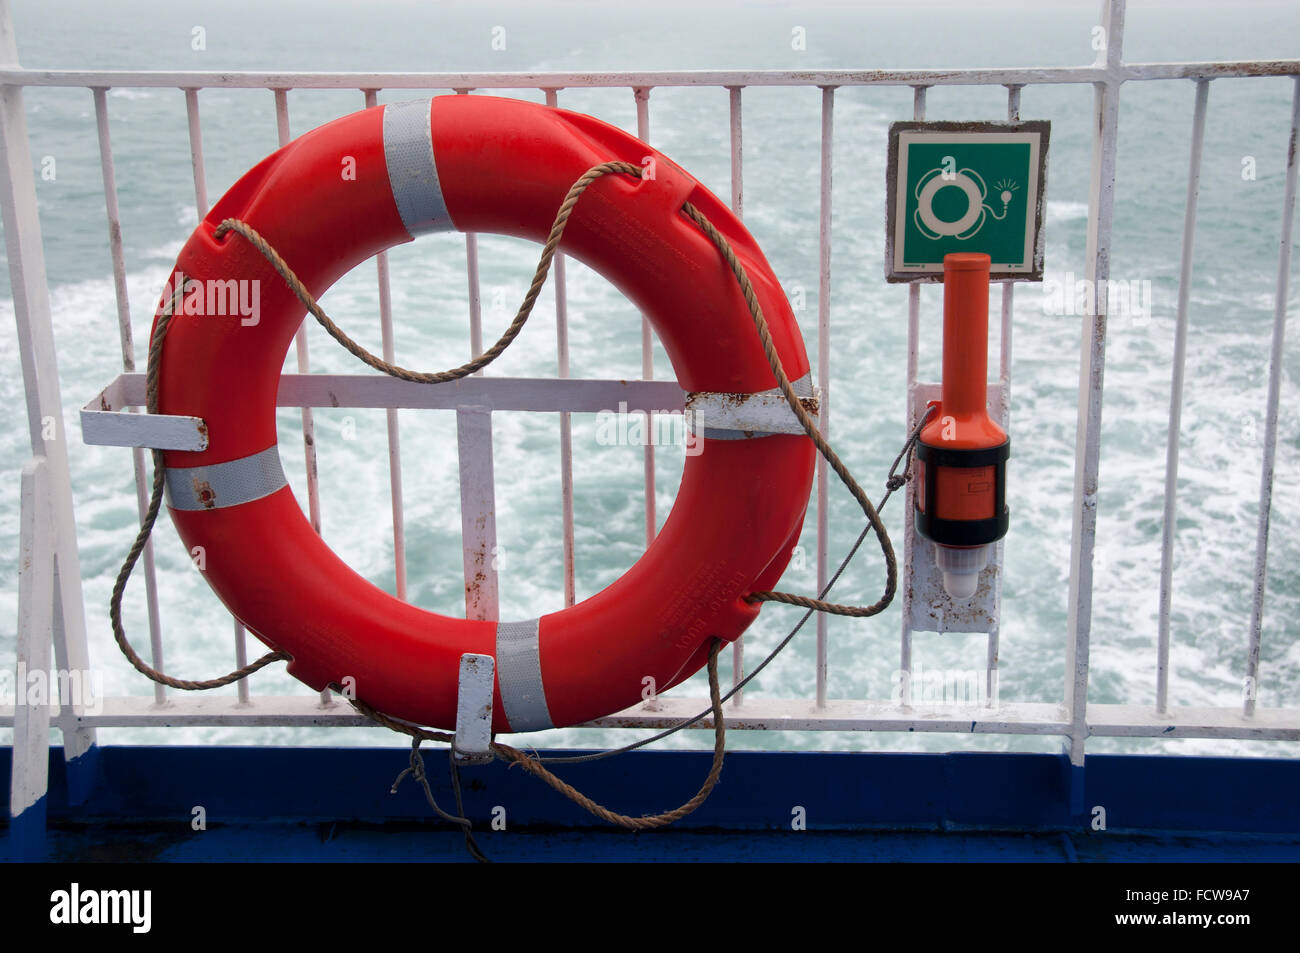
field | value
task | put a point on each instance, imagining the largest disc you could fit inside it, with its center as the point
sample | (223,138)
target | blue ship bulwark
(324,804)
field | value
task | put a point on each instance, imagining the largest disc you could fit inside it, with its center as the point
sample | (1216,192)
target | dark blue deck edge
(244,787)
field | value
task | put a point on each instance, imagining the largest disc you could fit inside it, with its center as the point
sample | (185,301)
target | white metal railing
(50,603)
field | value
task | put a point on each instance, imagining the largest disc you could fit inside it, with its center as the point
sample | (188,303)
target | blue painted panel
(1142,792)
(26,840)
(333,804)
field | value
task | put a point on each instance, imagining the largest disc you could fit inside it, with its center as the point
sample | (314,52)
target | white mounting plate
(927,604)
(474,709)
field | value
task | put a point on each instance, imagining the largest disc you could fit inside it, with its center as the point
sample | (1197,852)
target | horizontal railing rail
(637,79)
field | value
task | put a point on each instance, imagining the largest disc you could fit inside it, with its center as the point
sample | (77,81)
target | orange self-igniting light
(962,454)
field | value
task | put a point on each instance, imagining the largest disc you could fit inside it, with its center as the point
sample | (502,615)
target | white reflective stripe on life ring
(412,173)
(519,673)
(220,485)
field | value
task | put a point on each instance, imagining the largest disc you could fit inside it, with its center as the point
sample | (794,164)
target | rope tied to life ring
(528,762)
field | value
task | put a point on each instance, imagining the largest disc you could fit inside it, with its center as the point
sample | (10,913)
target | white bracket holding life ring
(723,415)
(474,709)
(104,425)
(750,415)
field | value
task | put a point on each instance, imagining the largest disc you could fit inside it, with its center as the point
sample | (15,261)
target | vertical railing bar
(1271,411)
(642,95)
(196,151)
(1008,287)
(737,153)
(478,524)
(914,289)
(125,334)
(241,659)
(475,292)
(281,116)
(737,206)
(566,422)
(47,470)
(1101,204)
(913,357)
(308,421)
(1004,378)
(394,435)
(300,343)
(475,298)
(824,376)
(477,470)
(29,779)
(201,201)
(127,340)
(1176,396)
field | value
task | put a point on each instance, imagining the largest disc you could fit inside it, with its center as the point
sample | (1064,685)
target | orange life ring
(480,164)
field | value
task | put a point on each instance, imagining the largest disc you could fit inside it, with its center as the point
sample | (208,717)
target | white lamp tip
(961,568)
(961,585)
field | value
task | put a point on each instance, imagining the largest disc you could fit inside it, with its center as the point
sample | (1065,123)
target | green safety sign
(962,187)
